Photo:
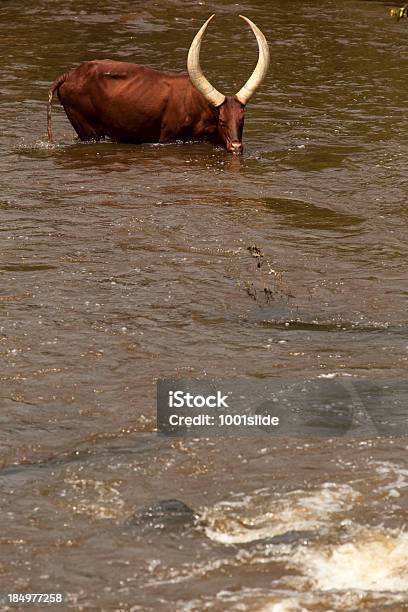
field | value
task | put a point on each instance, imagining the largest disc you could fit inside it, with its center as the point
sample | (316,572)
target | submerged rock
(166,514)
(288,538)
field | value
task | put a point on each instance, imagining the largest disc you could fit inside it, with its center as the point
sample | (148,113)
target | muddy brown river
(124,264)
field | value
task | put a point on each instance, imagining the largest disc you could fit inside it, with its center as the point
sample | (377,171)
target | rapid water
(124,264)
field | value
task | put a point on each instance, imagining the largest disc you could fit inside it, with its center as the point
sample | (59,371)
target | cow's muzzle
(235,147)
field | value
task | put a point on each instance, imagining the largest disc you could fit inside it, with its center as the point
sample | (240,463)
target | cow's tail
(54,87)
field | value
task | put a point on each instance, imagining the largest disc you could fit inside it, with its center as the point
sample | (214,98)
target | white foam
(373,561)
(396,477)
(286,605)
(294,511)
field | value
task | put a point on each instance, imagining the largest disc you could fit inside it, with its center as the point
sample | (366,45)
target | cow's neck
(203,116)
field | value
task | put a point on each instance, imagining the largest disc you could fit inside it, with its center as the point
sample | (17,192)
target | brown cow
(131,103)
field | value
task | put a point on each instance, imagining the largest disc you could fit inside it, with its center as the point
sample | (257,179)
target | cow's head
(230,109)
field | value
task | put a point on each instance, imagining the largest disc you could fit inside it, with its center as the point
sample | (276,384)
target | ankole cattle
(134,104)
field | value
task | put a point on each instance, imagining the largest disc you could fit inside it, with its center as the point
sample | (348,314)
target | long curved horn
(258,75)
(214,97)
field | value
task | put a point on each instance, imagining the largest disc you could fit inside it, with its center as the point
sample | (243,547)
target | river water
(124,264)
